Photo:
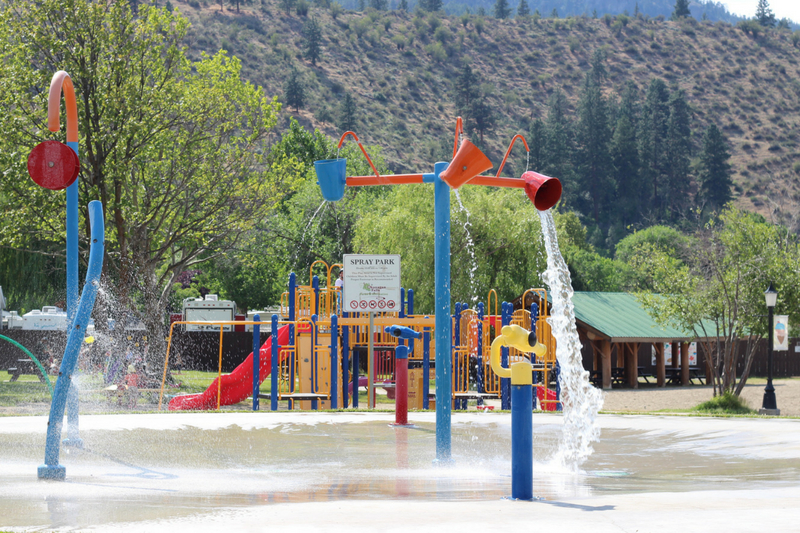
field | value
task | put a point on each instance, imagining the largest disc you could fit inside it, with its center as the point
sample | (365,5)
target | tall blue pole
(256,360)
(426,367)
(273,378)
(441,228)
(479,358)
(334,362)
(522,441)
(51,469)
(346,364)
(73,436)
(292,318)
(505,383)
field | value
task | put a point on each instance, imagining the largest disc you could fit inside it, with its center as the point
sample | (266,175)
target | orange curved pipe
(510,146)
(375,170)
(459,129)
(61,80)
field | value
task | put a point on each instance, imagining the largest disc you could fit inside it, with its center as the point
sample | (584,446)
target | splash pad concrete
(352,472)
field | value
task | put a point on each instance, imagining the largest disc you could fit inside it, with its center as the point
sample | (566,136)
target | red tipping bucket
(53,165)
(543,191)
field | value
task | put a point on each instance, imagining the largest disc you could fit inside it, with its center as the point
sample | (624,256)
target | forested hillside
(398,71)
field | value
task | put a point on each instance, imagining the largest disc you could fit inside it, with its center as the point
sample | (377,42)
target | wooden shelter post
(661,371)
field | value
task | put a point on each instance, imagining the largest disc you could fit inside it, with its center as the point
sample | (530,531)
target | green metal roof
(619,316)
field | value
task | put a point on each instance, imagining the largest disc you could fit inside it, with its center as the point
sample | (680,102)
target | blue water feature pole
(522,436)
(443,333)
(51,469)
(256,360)
(334,362)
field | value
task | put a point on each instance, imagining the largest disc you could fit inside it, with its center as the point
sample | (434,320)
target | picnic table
(27,367)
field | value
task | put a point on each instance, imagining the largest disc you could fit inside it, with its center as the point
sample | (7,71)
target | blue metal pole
(273,378)
(402,313)
(534,316)
(457,344)
(505,383)
(479,378)
(256,360)
(409,312)
(73,435)
(426,367)
(441,228)
(521,442)
(334,362)
(51,469)
(314,334)
(345,363)
(292,314)
(558,386)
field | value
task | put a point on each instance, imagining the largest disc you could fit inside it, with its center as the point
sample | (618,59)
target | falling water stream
(473,269)
(580,400)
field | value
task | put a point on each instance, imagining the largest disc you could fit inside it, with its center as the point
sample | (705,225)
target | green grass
(728,404)
(27,389)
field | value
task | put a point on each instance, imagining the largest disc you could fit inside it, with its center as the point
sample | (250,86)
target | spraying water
(471,249)
(580,400)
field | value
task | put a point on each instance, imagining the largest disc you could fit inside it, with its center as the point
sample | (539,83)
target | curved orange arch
(510,146)
(375,170)
(62,81)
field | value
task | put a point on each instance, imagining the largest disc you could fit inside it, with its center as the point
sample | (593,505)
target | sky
(781,8)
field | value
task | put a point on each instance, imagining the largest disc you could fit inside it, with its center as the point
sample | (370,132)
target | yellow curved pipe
(513,336)
(61,80)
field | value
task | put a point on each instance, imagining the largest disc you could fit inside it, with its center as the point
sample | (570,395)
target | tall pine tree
(537,140)
(559,143)
(764,14)
(523,10)
(347,120)
(592,158)
(714,173)
(312,40)
(294,94)
(652,146)
(681,9)
(501,9)
(678,154)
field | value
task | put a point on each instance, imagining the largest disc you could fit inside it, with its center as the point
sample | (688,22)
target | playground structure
(317,361)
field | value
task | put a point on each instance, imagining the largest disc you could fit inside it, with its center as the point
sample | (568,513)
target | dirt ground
(649,398)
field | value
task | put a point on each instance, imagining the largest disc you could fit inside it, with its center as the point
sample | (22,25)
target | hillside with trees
(394,76)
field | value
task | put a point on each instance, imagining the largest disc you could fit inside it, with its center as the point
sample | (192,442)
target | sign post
(371,284)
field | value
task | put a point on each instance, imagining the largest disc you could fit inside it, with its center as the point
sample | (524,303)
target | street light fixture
(769,405)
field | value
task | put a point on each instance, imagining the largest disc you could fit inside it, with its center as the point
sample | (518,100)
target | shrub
(727,403)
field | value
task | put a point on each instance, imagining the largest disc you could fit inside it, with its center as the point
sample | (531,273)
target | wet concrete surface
(344,471)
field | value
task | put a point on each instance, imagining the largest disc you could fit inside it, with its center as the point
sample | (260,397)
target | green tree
(592,157)
(681,9)
(312,40)
(501,9)
(431,6)
(287,5)
(471,104)
(716,289)
(677,156)
(523,10)
(537,139)
(170,147)
(294,94)
(652,144)
(764,14)
(714,175)
(625,161)
(560,144)
(347,120)
(403,6)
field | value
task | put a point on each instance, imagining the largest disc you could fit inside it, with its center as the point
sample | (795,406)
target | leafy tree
(678,154)
(716,289)
(764,14)
(312,40)
(347,114)
(501,9)
(523,10)
(681,9)
(293,91)
(170,147)
(714,176)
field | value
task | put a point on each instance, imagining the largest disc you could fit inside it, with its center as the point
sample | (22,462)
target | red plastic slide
(237,385)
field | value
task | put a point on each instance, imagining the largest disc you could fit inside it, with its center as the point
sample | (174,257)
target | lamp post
(769,405)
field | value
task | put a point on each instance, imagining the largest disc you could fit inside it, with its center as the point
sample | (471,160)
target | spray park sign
(371,283)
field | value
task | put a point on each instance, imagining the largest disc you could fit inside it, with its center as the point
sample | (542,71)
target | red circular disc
(53,165)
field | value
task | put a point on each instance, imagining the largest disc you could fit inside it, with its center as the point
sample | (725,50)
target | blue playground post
(256,360)
(479,380)
(273,377)
(51,469)
(522,440)
(426,367)
(314,376)
(334,362)
(505,383)
(292,316)
(345,363)
(534,317)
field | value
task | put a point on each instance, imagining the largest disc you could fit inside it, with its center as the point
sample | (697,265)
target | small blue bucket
(332,178)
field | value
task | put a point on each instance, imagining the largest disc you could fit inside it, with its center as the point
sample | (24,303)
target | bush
(728,403)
